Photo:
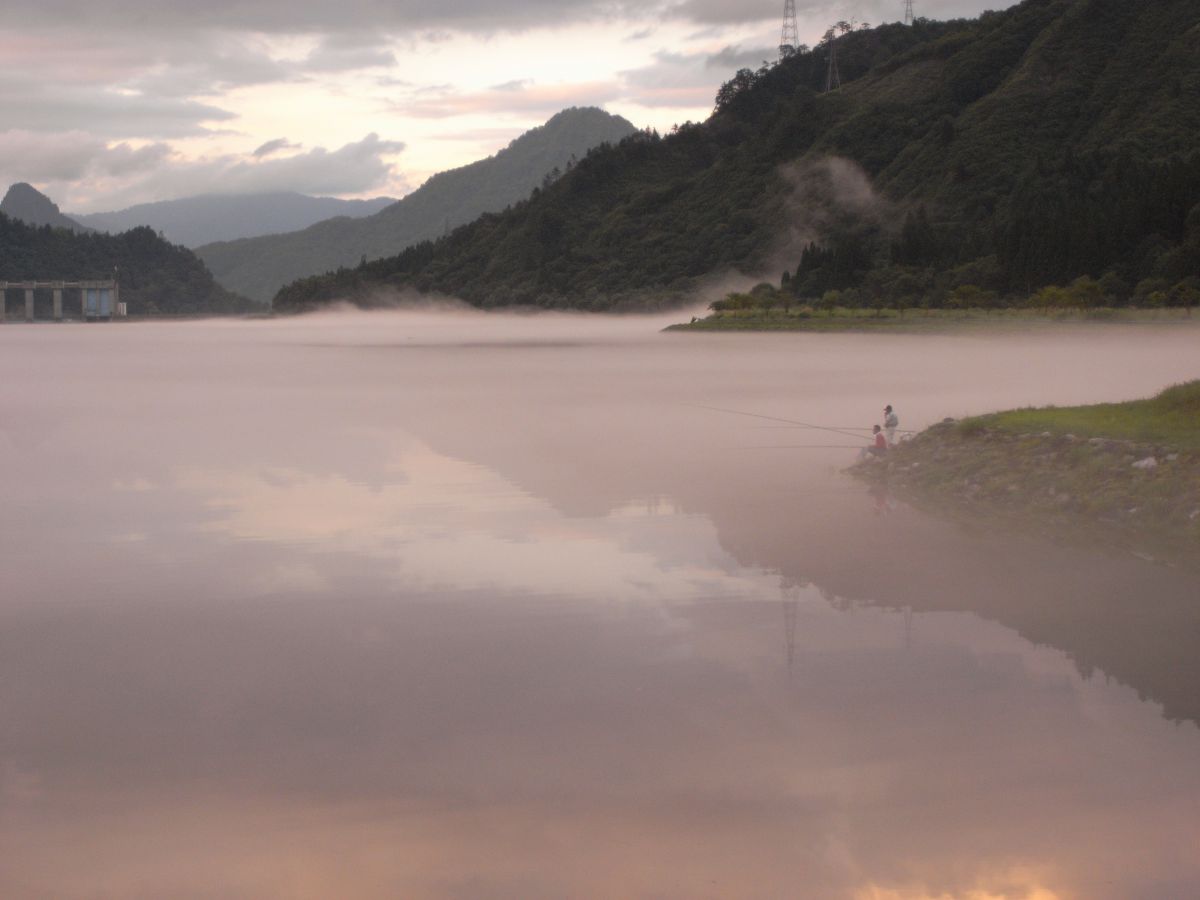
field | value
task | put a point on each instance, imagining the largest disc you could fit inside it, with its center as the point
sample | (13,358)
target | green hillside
(258,267)
(984,158)
(157,278)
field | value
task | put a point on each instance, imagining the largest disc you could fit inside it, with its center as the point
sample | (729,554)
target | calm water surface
(417,605)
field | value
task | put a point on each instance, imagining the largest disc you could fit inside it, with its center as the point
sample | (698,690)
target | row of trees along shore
(1084,293)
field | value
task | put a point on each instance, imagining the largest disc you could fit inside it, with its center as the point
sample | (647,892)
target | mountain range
(258,267)
(161,276)
(193,221)
(1053,141)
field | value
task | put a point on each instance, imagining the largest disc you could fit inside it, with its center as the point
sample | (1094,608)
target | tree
(969,296)
(1050,297)
(1186,294)
(741,83)
(1151,292)
(1085,292)
(829,301)
(785,291)
(917,244)
(1116,290)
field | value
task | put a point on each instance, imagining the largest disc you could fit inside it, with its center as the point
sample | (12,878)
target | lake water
(446,605)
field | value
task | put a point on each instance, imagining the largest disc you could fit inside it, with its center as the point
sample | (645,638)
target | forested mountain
(27,204)
(982,158)
(205,218)
(258,267)
(156,278)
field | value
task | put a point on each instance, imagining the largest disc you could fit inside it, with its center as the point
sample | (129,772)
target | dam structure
(97,300)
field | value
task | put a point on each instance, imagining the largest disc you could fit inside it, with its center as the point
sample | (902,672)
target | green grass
(1171,418)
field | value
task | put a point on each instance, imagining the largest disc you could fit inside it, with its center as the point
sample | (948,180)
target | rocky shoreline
(1135,496)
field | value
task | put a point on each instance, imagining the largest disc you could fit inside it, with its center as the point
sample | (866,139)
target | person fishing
(877,449)
(890,423)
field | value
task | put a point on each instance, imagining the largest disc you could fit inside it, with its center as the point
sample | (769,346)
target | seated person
(879,448)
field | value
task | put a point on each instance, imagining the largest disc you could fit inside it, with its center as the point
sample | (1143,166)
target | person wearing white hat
(890,423)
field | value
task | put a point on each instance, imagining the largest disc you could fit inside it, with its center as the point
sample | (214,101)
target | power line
(908,12)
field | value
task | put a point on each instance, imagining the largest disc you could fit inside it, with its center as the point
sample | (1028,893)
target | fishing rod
(737,412)
(839,427)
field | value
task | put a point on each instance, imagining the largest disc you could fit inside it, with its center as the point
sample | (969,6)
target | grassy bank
(919,320)
(1170,419)
(1124,474)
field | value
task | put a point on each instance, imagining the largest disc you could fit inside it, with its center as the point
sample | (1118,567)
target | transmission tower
(789,35)
(833,79)
(908,12)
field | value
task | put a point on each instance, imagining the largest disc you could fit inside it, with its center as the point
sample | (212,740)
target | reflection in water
(439,523)
(423,607)
(884,502)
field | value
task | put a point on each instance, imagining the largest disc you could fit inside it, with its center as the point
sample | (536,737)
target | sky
(108,103)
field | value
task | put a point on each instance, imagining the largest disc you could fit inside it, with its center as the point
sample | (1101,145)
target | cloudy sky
(107,103)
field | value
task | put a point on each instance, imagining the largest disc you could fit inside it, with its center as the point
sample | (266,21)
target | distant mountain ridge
(205,218)
(968,162)
(258,267)
(27,204)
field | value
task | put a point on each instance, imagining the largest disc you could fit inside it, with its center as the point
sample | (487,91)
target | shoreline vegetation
(924,320)
(767,308)
(1120,475)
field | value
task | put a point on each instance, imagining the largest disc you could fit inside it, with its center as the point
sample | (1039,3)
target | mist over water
(459,605)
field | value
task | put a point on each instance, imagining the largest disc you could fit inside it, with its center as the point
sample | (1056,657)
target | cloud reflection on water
(444,523)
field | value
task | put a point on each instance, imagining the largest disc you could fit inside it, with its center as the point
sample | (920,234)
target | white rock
(1148,463)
